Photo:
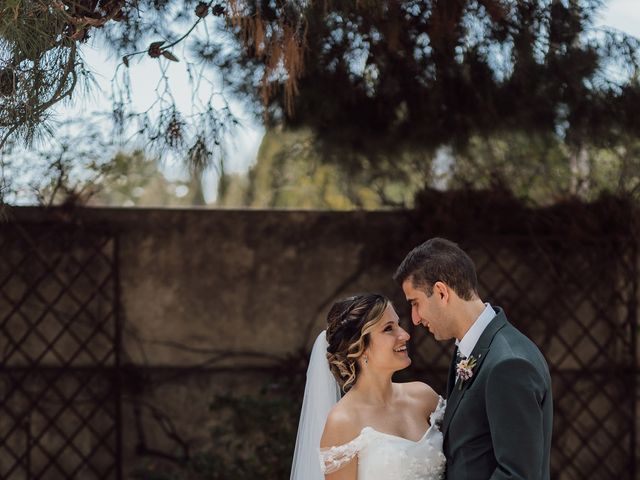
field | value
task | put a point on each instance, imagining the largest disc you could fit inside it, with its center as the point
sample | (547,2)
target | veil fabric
(321,393)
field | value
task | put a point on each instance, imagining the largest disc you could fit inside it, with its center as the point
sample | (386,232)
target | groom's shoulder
(511,345)
(510,336)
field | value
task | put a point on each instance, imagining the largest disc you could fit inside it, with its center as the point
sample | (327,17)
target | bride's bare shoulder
(342,425)
(422,394)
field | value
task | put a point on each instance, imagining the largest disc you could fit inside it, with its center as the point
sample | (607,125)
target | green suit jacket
(497,425)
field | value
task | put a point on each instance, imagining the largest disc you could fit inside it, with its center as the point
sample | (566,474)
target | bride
(378,429)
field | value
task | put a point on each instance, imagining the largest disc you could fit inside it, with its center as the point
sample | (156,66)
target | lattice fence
(579,304)
(59,382)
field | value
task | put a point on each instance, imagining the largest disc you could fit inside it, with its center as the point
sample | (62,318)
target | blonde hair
(349,323)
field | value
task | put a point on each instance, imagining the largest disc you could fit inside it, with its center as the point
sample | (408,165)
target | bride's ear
(364,358)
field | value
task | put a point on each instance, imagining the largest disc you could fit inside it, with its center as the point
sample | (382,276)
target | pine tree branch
(58,95)
(161,49)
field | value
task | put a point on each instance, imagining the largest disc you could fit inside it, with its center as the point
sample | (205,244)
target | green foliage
(81,170)
(254,437)
(385,76)
(528,97)
(39,66)
(364,101)
(136,180)
(289,173)
(259,437)
(544,169)
(541,169)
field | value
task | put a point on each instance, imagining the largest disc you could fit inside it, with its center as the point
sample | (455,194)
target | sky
(243,145)
(623,15)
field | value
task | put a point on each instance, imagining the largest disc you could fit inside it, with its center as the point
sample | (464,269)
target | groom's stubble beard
(441,337)
(445,327)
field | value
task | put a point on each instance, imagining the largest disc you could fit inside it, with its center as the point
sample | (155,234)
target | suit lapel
(479,352)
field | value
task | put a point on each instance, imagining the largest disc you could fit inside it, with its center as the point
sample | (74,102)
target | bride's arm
(339,444)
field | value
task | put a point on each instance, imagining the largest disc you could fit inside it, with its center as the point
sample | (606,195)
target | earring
(366,360)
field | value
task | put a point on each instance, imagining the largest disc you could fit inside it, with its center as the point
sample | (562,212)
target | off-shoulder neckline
(424,435)
(395,436)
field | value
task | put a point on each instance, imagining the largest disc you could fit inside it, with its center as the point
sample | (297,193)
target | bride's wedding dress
(382,456)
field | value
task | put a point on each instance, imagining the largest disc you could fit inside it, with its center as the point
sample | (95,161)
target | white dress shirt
(468,342)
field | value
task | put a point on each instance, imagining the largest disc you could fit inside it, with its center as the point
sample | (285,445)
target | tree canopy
(378,75)
(374,79)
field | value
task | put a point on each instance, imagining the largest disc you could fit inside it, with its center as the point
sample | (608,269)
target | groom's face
(427,310)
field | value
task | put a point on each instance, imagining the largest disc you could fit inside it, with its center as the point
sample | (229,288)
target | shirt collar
(468,342)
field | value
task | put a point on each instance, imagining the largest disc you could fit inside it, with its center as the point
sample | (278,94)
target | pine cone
(218,10)
(202,10)
(155,49)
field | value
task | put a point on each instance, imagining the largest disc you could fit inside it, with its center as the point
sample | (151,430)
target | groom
(497,424)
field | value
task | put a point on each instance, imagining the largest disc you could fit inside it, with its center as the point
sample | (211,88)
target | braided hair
(349,323)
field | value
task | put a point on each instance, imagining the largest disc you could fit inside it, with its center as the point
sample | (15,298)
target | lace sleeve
(333,459)
(438,414)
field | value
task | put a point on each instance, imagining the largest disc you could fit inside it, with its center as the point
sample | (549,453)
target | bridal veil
(321,393)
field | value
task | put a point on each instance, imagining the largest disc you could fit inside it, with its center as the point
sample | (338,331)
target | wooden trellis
(59,371)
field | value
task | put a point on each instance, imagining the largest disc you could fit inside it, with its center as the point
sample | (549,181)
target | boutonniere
(464,369)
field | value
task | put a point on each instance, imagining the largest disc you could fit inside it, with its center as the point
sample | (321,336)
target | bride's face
(388,343)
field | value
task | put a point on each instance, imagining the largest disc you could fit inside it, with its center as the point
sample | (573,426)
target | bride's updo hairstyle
(349,323)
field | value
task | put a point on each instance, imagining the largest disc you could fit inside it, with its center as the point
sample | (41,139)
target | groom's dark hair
(439,260)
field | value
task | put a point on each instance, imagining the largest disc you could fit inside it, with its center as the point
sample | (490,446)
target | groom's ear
(441,290)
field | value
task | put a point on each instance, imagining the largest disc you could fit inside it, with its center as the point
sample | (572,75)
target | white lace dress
(382,456)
